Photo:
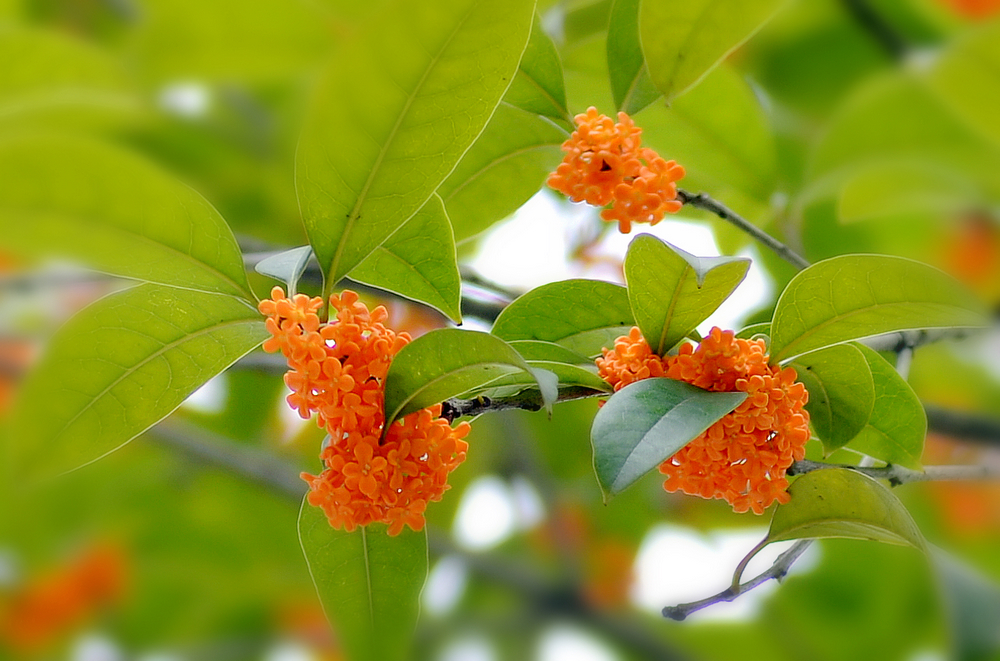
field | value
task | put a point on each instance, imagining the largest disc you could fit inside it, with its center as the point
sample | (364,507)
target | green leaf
(446,363)
(630,82)
(120,366)
(646,422)
(419,262)
(753,330)
(856,296)
(50,75)
(368,582)
(683,41)
(503,168)
(539,350)
(538,86)
(287,266)
(672,291)
(581,315)
(114,212)
(838,502)
(972,602)
(394,113)
(898,424)
(841,393)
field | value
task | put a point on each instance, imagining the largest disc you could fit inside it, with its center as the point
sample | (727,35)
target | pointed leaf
(539,350)
(419,262)
(841,393)
(120,366)
(369,584)
(287,266)
(856,296)
(631,85)
(683,41)
(581,315)
(646,422)
(898,424)
(506,165)
(672,291)
(538,86)
(400,104)
(446,363)
(114,212)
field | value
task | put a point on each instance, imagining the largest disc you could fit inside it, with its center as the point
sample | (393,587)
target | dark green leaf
(286,266)
(646,422)
(538,86)
(505,166)
(446,363)
(855,296)
(419,262)
(581,315)
(122,365)
(898,424)
(683,41)
(630,82)
(368,582)
(394,113)
(841,393)
(114,212)
(672,291)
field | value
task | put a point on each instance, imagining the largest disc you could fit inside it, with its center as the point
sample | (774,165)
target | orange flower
(604,164)
(338,373)
(743,457)
(975,8)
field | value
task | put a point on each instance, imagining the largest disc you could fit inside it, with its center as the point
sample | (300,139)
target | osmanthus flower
(605,164)
(744,456)
(338,371)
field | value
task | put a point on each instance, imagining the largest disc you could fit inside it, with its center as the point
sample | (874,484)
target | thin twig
(897,474)
(876,26)
(777,571)
(527,400)
(703,201)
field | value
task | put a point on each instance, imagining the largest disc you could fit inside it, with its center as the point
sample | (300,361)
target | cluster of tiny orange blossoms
(743,457)
(338,372)
(606,164)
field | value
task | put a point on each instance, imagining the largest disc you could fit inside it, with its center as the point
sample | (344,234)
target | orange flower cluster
(338,372)
(605,164)
(742,458)
(47,609)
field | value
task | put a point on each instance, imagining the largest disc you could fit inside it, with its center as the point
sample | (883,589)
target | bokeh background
(842,126)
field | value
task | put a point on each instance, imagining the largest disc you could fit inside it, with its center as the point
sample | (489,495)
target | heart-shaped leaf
(898,424)
(538,86)
(419,262)
(287,266)
(120,366)
(446,363)
(646,422)
(841,393)
(395,111)
(369,584)
(630,82)
(672,291)
(581,315)
(856,296)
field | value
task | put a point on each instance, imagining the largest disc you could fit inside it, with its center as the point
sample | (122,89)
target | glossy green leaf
(855,296)
(445,363)
(503,168)
(550,351)
(52,76)
(841,393)
(368,582)
(115,212)
(287,266)
(538,86)
(898,424)
(570,368)
(393,114)
(581,315)
(630,82)
(753,330)
(972,603)
(419,262)
(120,366)
(672,291)
(646,422)
(683,41)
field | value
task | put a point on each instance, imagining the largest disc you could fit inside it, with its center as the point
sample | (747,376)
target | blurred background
(842,126)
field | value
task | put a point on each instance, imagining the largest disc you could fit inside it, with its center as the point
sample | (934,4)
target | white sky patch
(94,647)
(187,99)
(567,643)
(289,651)
(211,397)
(676,564)
(469,649)
(486,516)
(445,585)
(160,656)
